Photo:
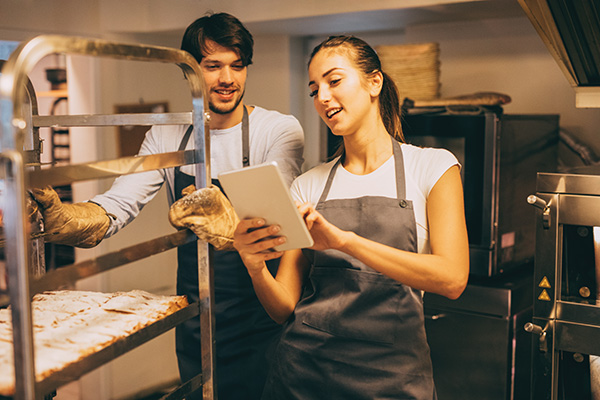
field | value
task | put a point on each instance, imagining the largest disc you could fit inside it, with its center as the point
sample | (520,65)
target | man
(224,48)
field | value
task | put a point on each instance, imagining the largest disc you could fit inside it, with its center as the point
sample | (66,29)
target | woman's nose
(323,95)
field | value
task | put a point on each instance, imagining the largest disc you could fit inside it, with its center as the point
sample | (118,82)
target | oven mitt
(207,213)
(79,224)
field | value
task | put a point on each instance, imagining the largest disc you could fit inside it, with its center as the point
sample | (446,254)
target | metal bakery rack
(19,154)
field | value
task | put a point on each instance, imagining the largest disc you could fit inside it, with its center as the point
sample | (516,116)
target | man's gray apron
(244,331)
(355,333)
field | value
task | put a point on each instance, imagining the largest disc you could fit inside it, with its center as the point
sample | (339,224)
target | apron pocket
(354,304)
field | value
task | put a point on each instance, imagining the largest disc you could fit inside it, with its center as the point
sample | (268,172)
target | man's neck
(225,121)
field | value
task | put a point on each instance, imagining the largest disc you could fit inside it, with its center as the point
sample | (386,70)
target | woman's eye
(313,93)
(334,82)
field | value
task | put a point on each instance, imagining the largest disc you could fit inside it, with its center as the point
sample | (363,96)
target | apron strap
(400,179)
(183,143)
(245,139)
(400,176)
(329,181)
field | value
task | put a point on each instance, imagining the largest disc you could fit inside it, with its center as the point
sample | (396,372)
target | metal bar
(63,175)
(570,183)
(579,210)
(577,338)
(18,271)
(183,390)
(72,273)
(578,313)
(121,346)
(141,119)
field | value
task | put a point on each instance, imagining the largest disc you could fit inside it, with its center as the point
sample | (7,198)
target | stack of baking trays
(50,336)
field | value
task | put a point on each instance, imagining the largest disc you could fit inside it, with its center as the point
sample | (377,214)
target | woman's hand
(325,234)
(255,242)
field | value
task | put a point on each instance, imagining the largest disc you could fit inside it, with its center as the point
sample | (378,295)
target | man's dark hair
(223,29)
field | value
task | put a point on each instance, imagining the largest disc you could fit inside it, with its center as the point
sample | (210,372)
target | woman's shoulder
(312,181)
(416,155)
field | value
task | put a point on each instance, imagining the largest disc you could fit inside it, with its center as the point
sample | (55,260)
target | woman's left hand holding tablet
(255,242)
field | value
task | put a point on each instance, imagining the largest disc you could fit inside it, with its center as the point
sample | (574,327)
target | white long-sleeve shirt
(272,137)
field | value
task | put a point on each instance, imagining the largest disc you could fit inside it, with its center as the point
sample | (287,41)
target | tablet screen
(261,192)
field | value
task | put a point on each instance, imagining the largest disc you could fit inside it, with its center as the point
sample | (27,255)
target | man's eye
(238,67)
(313,93)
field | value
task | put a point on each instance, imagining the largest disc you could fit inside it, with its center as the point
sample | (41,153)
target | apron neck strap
(399,165)
(245,139)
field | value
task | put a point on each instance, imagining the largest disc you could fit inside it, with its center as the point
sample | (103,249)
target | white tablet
(261,192)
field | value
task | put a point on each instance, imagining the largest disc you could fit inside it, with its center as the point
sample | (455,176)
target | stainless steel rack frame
(563,322)
(15,126)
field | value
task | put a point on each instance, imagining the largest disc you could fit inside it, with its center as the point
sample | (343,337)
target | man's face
(225,78)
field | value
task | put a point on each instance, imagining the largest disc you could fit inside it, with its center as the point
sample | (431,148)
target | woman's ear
(376,83)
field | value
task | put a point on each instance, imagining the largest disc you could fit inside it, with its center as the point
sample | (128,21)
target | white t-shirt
(422,169)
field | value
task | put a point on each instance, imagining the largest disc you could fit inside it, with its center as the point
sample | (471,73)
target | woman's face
(342,97)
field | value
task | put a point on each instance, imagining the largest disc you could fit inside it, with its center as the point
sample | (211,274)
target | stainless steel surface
(479,349)
(565,306)
(142,119)
(16,120)
(62,175)
(579,210)
(570,31)
(573,183)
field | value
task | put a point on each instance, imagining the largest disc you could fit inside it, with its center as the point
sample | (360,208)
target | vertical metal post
(18,273)
(205,272)
(546,288)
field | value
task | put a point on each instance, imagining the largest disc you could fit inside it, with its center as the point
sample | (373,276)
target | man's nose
(226,76)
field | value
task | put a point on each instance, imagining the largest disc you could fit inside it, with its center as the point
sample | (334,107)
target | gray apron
(355,333)
(244,333)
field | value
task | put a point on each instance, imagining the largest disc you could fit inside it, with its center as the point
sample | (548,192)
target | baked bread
(70,325)
(207,213)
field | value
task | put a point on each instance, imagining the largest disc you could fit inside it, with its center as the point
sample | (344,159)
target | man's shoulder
(264,119)
(263,113)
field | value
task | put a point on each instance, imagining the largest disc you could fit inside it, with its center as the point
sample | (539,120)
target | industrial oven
(566,316)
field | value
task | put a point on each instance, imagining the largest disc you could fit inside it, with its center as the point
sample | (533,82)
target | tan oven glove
(207,213)
(79,224)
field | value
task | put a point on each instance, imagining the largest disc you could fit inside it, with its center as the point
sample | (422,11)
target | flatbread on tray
(70,325)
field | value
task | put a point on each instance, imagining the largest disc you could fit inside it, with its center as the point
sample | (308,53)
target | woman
(387,225)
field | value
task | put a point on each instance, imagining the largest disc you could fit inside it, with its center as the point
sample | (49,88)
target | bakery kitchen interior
(510,87)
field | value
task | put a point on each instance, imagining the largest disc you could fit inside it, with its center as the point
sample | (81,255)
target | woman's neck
(365,153)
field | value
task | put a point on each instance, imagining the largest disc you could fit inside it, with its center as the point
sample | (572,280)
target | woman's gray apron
(244,331)
(355,333)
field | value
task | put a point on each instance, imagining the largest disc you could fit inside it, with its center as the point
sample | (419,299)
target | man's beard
(226,109)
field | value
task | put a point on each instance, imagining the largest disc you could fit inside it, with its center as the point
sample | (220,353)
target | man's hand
(207,213)
(79,224)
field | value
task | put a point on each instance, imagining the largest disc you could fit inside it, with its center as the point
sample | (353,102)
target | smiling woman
(388,223)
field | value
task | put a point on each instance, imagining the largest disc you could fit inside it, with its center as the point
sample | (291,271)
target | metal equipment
(16,124)
(566,318)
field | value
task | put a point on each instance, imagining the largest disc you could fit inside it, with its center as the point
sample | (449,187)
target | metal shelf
(16,124)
